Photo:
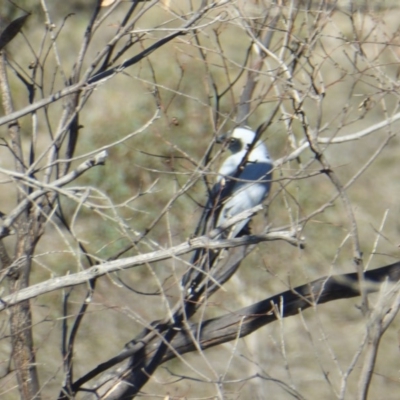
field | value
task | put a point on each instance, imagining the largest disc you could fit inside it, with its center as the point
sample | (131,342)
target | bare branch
(96,271)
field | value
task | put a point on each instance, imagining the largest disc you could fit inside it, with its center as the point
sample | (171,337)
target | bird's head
(240,139)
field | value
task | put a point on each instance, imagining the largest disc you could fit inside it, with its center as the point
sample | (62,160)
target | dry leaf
(106,3)
(12,30)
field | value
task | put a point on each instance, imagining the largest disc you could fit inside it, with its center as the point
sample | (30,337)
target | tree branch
(232,326)
(96,271)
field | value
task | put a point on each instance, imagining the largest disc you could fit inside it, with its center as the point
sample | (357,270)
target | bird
(244,178)
(243,182)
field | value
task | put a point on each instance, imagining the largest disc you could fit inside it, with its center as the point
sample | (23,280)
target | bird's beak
(221,138)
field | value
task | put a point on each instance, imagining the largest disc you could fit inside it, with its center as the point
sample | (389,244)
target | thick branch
(42,103)
(247,320)
(23,353)
(129,262)
(229,327)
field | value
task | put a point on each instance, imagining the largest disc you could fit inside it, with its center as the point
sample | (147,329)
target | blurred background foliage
(154,164)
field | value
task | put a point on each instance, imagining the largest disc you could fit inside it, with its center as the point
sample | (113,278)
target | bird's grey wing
(227,168)
(220,191)
(251,188)
(211,210)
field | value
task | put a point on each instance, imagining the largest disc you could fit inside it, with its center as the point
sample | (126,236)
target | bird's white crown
(244,138)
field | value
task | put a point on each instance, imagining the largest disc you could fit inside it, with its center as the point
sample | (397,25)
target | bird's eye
(232,140)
